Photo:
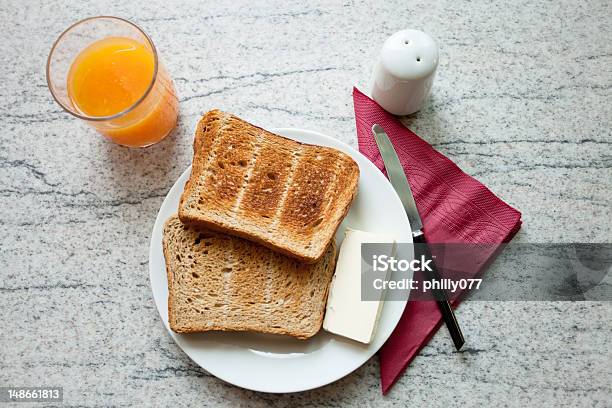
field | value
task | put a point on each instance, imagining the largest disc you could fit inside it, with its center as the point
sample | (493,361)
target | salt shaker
(404,72)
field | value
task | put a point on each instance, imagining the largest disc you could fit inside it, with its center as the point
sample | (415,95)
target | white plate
(272,363)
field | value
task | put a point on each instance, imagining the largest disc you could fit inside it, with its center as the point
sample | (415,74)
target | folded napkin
(454,207)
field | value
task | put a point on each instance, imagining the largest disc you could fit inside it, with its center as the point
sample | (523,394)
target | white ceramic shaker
(404,72)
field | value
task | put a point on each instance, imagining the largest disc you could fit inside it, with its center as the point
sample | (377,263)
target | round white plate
(271,363)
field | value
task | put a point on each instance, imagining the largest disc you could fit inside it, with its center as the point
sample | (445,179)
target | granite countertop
(521,101)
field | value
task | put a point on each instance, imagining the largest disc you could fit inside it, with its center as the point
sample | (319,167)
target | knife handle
(440,295)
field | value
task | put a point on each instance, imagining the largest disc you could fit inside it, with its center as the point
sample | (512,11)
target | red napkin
(454,207)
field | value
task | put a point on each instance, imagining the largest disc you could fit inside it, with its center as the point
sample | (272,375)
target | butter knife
(398,180)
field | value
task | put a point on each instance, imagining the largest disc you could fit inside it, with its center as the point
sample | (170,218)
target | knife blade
(397,177)
(398,180)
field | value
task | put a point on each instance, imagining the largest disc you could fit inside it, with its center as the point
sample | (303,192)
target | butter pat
(346,314)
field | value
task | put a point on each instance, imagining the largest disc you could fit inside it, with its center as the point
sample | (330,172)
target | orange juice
(111,77)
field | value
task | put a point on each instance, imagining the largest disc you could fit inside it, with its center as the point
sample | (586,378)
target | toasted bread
(248,182)
(220,282)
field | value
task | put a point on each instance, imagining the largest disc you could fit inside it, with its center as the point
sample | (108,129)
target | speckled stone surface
(521,101)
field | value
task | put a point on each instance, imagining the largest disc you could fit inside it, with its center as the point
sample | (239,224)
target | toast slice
(248,182)
(220,282)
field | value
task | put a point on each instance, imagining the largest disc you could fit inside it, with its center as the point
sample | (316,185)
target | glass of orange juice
(106,71)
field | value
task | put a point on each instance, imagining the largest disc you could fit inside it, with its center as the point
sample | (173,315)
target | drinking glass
(146,121)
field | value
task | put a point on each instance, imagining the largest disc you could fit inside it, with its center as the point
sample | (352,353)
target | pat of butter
(346,314)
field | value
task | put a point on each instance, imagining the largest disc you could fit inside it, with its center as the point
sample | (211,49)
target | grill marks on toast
(304,208)
(333,192)
(218,282)
(257,146)
(229,168)
(254,184)
(268,188)
(207,133)
(206,142)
